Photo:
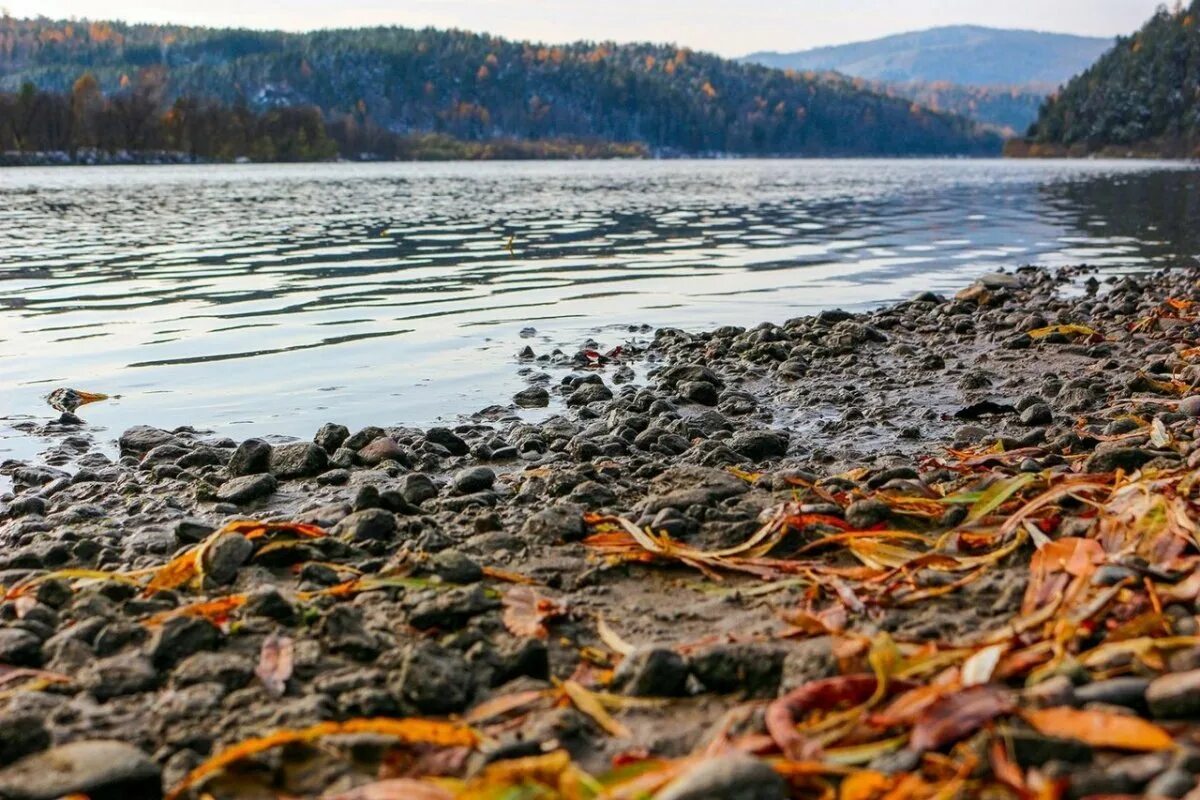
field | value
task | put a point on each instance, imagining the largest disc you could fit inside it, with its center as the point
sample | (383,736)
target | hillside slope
(962,54)
(477,87)
(1142,96)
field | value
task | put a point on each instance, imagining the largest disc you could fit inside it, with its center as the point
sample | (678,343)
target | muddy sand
(944,548)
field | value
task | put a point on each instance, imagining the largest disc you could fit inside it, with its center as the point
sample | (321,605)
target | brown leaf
(275,663)
(1100,728)
(526,612)
(949,719)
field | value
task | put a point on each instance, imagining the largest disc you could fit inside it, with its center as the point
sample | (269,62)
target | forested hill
(475,87)
(1142,96)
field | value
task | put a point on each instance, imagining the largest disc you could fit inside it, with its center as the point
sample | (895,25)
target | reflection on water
(260,299)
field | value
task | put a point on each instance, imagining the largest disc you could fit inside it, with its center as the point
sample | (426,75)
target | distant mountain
(1141,97)
(478,88)
(962,54)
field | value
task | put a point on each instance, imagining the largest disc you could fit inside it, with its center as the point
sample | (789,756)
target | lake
(268,299)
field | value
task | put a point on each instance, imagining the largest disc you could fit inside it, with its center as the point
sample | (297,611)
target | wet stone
(20,735)
(20,648)
(448,439)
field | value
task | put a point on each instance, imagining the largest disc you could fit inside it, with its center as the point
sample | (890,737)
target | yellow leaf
(589,704)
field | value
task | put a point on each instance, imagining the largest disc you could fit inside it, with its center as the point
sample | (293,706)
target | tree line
(85,124)
(477,88)
(1141,96)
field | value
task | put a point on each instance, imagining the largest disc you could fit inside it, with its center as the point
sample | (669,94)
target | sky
(728,27)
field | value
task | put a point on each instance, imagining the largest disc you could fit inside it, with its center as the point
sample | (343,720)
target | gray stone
(753,670)
(533,397)
(225,555)
(1172,783)
(652,672)
(733,777)
(247,488)
(862,514)
(101,769)
(251,457)
(474,479)
(563,522)
(680,487)
(298,460)
(700,392)
(20,648)
(120,675)
(1190,406)
(1127,691)
(417,488)
(1175,695)
(448,439)
(20,735)
(433,679)
(368,524)
(180,637)
(1114,458)
(331,436)
(231,670)
(453,566)
(759,445)
(142,439)
(589,393)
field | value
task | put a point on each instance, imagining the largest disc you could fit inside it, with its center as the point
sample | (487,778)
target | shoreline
(450,568)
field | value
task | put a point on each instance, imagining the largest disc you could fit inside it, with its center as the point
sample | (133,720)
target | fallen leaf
(589,704)
(978,668)
(275,663)
(1100,728)
(526,612)
(955,716)
(412,731)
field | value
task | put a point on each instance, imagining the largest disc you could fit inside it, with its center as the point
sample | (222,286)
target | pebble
(383,449)
(20,648)
(433,679)
(1190,406)
(119,675)
(180,637)
(733,777)
(20,735)
(1175,695)
(1129,692)
(100,769)
(449,440)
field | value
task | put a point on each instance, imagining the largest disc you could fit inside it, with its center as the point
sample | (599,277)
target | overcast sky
(729,27)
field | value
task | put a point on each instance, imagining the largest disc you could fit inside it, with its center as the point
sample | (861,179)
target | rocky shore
(946,547)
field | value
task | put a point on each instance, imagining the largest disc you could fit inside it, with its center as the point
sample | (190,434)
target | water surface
(272,298)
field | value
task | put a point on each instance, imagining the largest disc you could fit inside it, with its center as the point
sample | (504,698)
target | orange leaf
(1100,728)
(215,611)
(412,731)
